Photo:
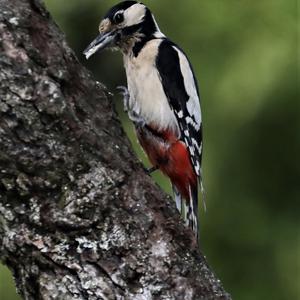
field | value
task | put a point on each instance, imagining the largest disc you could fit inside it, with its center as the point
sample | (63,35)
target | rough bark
(79,218)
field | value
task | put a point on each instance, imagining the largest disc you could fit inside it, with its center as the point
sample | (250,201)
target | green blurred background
(245,57)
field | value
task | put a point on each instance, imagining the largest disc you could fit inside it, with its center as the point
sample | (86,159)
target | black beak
(101,42)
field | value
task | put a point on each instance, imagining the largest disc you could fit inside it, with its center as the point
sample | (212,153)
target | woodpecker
(162,99)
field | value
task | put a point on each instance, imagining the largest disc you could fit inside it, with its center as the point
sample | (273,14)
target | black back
(168,65)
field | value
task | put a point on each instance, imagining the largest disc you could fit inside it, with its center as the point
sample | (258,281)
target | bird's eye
(119,18)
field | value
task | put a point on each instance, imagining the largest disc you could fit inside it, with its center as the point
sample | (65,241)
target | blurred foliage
(245,57)
(7,287)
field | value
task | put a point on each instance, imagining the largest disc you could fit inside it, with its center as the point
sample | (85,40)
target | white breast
(147,97)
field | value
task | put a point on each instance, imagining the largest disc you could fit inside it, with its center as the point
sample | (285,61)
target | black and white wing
(181,89)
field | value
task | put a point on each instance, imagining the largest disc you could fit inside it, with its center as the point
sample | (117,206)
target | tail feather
(203,194)
(193,210)
(188,208)
(178,198)
(182,206)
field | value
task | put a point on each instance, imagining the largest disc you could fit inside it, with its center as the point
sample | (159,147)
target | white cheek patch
(134,14)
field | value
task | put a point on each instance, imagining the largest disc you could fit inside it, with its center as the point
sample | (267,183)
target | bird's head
(125,24)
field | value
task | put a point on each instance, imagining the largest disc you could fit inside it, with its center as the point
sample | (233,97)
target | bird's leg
(126,96)
(149,171)
(134,117)
(137,119)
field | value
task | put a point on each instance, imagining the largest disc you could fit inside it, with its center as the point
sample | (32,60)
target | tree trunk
(79,218)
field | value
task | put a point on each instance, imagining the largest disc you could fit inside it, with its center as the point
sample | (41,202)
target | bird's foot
(137,119)
(133,115)
(149,171)
(126,96)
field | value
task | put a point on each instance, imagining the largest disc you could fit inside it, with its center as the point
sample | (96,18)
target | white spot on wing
(191,150)
(180,114)
(195,144)
(189,120)
(186,133)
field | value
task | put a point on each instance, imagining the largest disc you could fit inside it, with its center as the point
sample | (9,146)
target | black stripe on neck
(138,46)
(148,25)
(148,29)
